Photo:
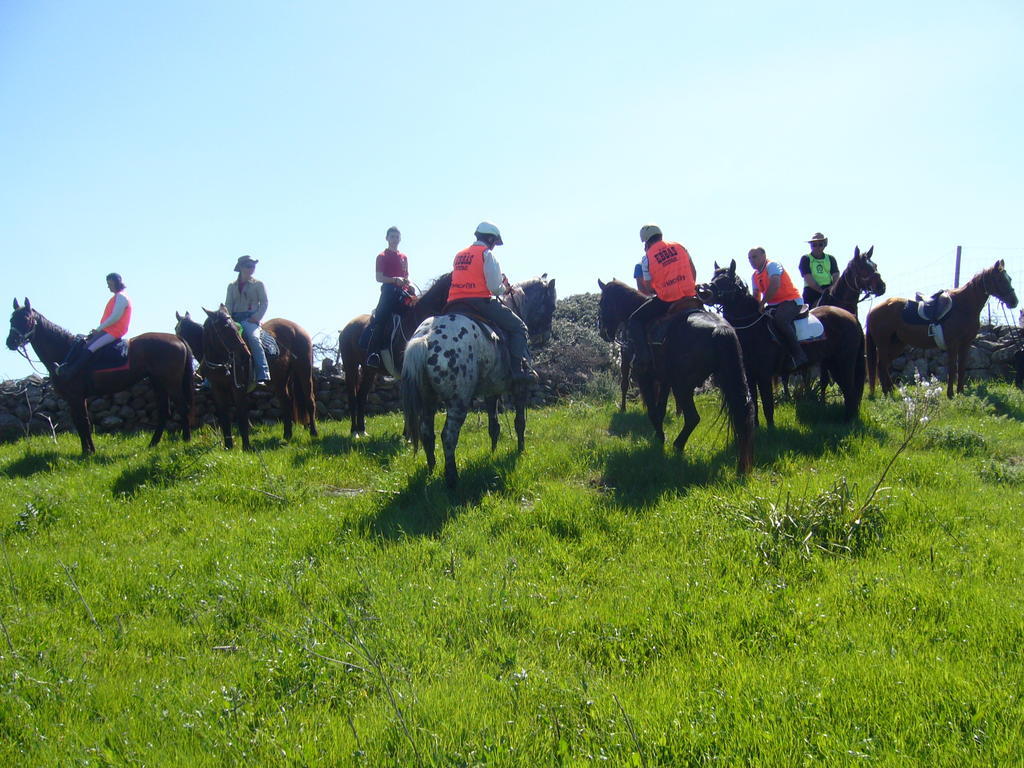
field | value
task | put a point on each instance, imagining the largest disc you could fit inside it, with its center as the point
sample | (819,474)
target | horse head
(997,282)
(189,331)
(23,325)
(538,306)
(221,332)
(725,287)
(865,277)
(618,302)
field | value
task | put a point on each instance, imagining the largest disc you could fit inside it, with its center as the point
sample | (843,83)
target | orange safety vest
(786,290)
(672,271)
(120,328)
(468,280)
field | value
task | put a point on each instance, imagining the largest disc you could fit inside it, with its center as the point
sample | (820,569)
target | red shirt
(392,263)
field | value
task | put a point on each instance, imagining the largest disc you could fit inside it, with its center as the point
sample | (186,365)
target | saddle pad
(269,344)
(113,357)
(912,314)
(809,328)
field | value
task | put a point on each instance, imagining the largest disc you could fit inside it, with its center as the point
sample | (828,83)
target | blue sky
(164,140)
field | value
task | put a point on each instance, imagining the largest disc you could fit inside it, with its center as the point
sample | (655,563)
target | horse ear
(551,285)
(1001,264)
(178,316)
(717,267)
(599,285)
(208,312)
(856,252)
(28,304)
(868,253)
(17,307)
(544,276)
(732,267)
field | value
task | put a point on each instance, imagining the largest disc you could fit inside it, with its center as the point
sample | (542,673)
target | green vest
(821,269)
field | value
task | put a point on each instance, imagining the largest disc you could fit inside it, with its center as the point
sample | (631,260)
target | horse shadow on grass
(637,475)
(630,424)
(32,463)
(426,504)
(382,448)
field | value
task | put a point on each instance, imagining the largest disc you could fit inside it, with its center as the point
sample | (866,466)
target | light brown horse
(165,360)
(889,334)
(359,378)
(227,364)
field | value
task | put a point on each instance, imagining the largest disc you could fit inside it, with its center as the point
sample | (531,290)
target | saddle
(461,308)
(113,357)
(930,310)
(657,332)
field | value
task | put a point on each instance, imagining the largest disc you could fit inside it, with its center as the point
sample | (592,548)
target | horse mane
(437,293)
(620,288)
(977,280)
(52,328)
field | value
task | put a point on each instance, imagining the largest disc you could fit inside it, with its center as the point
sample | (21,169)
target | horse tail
(413,380)
(732,382)
(300,380)
(858,370)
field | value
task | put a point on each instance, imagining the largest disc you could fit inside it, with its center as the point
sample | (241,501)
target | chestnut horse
(160,357)
(359,378)
(228,366)
(698,345)
(888,334)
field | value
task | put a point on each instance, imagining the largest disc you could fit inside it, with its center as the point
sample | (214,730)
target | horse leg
(962,366)
(872,360)
(162,413)
(457,411)
(351,387)
(80,418)
(690,419)
(242,418)
(886,352)
(285,396)
(184,399)
(427,411)
(493,425)
(223,411)
(657,412)
(366,381)
(302,388)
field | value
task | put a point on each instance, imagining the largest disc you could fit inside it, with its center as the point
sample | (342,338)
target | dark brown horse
(888,333)
(228,366)
(160,357)
(698,345)
(840,352)
(359,378)
(859,281)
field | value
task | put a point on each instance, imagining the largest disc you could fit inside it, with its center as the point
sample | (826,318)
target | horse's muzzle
(705,293)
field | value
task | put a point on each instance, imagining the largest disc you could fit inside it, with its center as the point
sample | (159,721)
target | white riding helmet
(486,228)
(647,231)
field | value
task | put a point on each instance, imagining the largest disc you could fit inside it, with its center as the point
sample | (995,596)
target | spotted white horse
(451,359)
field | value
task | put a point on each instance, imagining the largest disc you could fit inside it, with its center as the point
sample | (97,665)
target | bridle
(24,338)
(230,364)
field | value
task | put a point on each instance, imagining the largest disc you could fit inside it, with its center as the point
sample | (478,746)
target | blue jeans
(251,331)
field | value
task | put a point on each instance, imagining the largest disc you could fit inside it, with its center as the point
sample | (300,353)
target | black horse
(860,280)
(840,351)
(698,344)
(163,359)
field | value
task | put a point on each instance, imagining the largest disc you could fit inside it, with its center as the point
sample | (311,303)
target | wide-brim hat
(245,261)
(817,237)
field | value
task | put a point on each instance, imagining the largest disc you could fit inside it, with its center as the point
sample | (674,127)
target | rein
(230,365)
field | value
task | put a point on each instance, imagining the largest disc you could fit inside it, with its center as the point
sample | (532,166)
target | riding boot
(376,342)
(67,371)
(523,373)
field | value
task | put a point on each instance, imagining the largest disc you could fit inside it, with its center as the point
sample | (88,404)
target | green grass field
(595,600)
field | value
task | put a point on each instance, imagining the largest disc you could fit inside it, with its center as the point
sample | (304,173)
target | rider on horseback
(668,269)
(819,270)
(476,281)
(247,303)
(775,292)
(113,325)
(393,275)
